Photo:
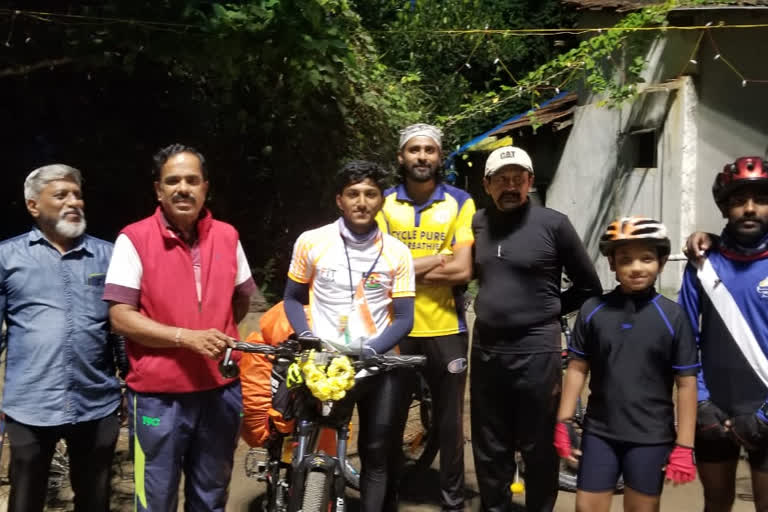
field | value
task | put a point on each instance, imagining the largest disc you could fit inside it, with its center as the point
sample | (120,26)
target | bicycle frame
(307,459)
(311,417)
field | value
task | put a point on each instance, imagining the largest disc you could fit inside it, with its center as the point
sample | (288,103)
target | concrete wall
(733,120)
(709,119)
(596,182)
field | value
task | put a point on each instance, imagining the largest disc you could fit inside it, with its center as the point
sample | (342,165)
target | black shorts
(727,450)
(603,460)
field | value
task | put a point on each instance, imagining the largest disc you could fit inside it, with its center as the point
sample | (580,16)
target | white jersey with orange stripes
(352,284)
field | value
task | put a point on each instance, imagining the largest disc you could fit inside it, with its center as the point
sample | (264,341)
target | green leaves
(462,69)
(609,64)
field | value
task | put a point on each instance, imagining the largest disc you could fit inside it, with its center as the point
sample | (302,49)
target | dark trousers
(514,400)
(382,421)
(446,374)
(90,446)
(196,433)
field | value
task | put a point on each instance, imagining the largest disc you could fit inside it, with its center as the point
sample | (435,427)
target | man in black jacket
(521,250)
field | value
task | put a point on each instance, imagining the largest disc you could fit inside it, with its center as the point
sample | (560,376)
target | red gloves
(681,467)
(562,440)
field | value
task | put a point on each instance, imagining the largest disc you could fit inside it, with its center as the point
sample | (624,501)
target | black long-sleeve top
(519,259)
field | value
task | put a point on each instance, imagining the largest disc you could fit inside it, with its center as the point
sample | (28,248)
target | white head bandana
(421,129)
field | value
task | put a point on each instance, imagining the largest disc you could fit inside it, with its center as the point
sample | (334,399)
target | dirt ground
(420,491)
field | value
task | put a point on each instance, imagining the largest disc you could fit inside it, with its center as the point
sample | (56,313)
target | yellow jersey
(440,225)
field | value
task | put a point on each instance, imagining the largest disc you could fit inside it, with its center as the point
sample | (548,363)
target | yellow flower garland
(331,382)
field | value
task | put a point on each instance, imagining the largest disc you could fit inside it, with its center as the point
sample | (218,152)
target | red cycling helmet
(747,169)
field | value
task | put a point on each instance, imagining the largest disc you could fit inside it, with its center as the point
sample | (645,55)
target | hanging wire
(504,67)
(183,28)
(88,19)
(82,19)
(719,56)
(546,83)
(692,58)
(571,31)
(471,54)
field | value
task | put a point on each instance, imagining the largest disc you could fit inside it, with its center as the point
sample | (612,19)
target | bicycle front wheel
(316,495)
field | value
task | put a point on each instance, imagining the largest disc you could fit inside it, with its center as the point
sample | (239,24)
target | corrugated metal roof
(629,5)
(561,106)
(551,111)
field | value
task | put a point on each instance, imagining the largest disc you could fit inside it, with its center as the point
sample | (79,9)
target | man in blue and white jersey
(726,297)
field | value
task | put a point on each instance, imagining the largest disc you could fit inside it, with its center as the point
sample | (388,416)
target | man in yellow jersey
(434,220)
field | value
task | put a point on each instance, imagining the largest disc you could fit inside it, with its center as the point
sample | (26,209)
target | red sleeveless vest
(168,295)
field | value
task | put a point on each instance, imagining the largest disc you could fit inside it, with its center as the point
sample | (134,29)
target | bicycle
(311,481)
(420,446)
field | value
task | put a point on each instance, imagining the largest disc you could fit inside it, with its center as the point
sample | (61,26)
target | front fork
(336,469)
(342,436)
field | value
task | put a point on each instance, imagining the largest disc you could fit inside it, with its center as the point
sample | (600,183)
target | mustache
(182,196)
(78,211)
(429,166)
(510,195)
(742,220)
(438,168)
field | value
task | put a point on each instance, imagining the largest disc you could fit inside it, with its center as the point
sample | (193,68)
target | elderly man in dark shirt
(60,380)
(521,250)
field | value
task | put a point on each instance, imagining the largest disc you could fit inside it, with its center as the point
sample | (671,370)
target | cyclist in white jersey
(359,284)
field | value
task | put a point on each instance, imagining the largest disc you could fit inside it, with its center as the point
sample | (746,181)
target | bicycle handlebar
(255,348)
(294,346)
(389,362)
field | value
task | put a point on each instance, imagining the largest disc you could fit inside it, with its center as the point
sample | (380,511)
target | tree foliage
(460,69)
(277,93)
(608,65)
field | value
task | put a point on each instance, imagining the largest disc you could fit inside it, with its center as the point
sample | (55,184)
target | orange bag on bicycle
(255,371)
(274,325)
(255,380)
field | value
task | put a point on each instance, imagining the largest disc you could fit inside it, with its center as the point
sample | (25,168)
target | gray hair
(40,177)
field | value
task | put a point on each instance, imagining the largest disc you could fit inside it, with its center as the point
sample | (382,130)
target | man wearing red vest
(178,283)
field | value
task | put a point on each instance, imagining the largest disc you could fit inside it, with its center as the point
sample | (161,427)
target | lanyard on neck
(365,274)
